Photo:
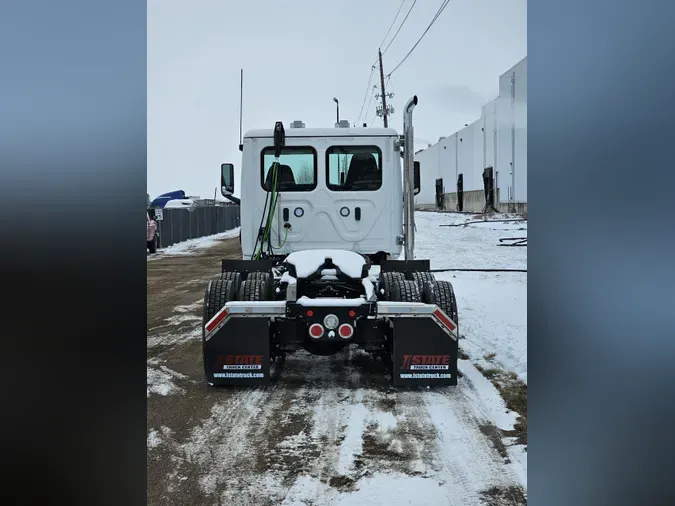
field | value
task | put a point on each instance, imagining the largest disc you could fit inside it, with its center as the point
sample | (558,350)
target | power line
(400,26)
(372,95)
(373,119)
(388,83)
(438,13)
(385,49)
(365,97)
(369,101)
(392,23)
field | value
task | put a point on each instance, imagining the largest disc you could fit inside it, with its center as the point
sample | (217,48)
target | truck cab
(338,188)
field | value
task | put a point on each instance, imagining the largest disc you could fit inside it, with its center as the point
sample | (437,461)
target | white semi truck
(319,208)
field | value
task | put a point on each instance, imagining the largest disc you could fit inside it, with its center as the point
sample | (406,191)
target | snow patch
(381,488)
(307,490)
(518,457)
(368,286)
(308,261)
(287,278)
(492,310)
(174,338)
(330,302)
(385,421)
(513,225)
(484,394)
(179,319)
(188,308)
(468,461)
(160,380)
(153,439)
(353,442)
(472,247)
(395,489)
(191,246)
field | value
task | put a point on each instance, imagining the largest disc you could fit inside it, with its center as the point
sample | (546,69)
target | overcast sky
(299,54)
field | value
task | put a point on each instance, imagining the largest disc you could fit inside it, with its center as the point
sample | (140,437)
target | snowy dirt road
(330,430)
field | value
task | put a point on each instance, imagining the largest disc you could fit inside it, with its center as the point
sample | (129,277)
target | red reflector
(444,319)
(219,318)
(310,313)
(346,331)
(316,331)
(352,313)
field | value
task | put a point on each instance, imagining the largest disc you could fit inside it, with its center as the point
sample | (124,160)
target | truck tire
(386,281)
(218,293)
(253,290)
(235,277)
(442,294)
(262,276)
(404,290)
(422,278)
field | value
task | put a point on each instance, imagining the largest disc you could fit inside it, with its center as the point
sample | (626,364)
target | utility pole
(384,94)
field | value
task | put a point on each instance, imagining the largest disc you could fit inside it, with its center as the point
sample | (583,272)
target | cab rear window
(354,168)
(297,170)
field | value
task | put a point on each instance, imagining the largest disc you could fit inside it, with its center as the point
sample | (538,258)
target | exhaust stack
(408,178)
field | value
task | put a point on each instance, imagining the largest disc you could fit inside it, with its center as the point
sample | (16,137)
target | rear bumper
(285,309)
(422,338)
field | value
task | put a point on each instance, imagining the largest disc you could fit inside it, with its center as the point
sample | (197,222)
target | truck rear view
(322,221)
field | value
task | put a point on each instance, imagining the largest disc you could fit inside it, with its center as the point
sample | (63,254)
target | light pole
(337,104)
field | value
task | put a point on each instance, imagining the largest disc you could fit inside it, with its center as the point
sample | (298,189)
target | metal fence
(178,225)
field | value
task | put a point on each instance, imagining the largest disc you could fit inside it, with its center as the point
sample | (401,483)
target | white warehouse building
(496,142)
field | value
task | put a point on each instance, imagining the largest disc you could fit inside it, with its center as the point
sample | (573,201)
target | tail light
(346,331)
(316,330)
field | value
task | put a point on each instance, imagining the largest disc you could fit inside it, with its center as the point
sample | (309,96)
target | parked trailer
(320,207)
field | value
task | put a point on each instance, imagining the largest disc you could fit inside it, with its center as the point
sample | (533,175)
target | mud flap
(238,353)
(424,354)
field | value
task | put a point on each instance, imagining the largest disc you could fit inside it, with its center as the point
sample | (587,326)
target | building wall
(521,132)
(487,142)
(428,174)
(512,126)
(489,117)
(448,161)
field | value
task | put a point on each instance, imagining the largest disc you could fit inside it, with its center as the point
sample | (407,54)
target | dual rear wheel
(229,287)
(422,288)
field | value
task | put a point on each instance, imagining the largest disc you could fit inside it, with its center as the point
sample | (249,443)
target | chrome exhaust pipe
(408,179)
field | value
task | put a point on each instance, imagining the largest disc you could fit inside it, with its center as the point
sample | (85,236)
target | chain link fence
(178,225)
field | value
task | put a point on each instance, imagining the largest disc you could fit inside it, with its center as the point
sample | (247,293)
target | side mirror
(416,178)
(226,179)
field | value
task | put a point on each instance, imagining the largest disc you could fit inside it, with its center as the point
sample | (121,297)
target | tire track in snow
(220,453)
(465,452)
(260,440)
(331,426)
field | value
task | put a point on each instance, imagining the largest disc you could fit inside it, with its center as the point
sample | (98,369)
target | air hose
(267,237)
(272,197)
(279,142)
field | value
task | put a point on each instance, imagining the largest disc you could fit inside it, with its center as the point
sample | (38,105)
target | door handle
(357,213)
(286,214)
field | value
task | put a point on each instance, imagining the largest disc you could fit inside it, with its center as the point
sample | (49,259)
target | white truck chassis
(322,301)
